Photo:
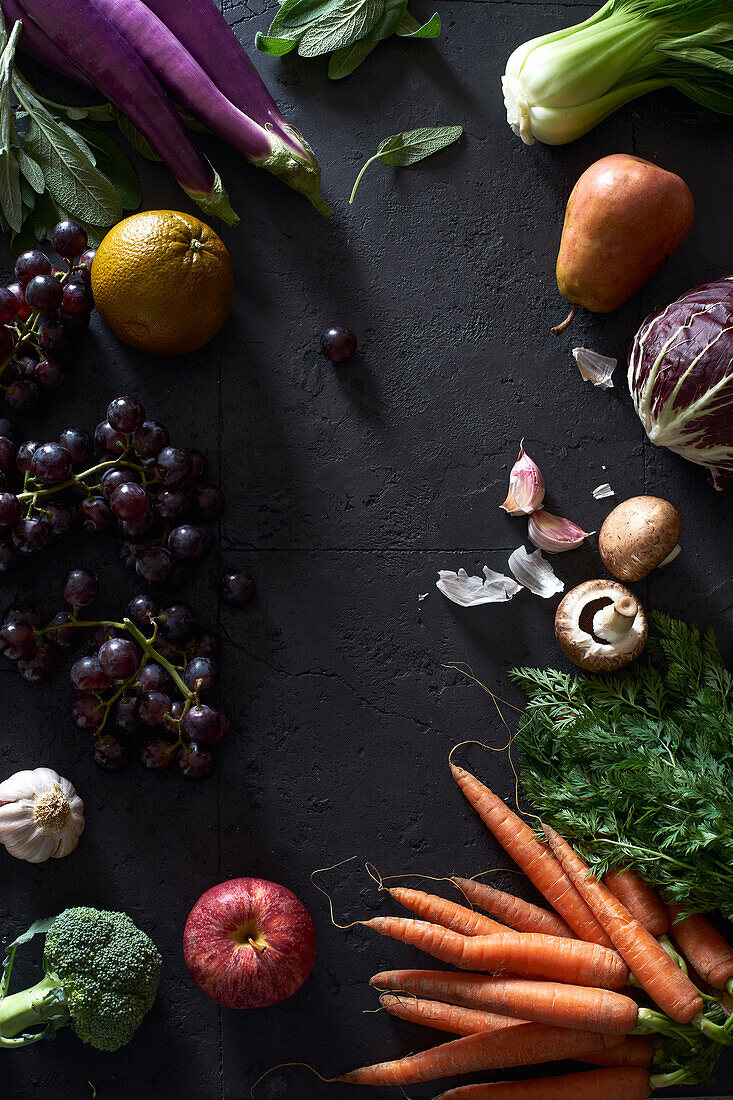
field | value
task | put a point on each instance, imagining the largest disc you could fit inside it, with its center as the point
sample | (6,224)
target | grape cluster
(143,686)
(41,313)
(149,491)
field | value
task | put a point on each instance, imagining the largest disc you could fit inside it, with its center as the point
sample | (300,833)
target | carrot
(704,947)
(635,1050)
(527,954)
(518,914)
(446,913)
(593,1084)
(529,853)
(517,1046)
(661,978)
(572,1006)
(444,1017)
(639,899)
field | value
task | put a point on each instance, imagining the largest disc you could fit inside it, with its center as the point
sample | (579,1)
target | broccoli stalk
(43,1003)
(101,978)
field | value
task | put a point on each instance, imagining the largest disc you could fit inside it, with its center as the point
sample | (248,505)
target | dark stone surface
(347,489)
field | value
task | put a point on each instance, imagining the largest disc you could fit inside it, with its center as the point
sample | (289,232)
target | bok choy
(561,85)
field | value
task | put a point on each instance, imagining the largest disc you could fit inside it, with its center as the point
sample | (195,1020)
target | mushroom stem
(615,621)
(670,556)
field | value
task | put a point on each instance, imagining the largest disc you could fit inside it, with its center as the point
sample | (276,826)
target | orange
(163,282)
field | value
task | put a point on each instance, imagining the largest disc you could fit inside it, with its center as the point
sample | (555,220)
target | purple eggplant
(96,47)
(202,30)
(259,132)
(37,45)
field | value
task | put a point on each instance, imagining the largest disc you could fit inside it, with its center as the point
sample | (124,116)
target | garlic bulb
(41,815)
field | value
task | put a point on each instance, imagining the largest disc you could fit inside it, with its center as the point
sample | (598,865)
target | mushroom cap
(573,627)
(638,535)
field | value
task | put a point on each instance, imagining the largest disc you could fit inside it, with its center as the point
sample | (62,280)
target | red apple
(249,943)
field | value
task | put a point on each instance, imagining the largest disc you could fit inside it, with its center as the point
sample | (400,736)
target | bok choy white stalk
(561,85)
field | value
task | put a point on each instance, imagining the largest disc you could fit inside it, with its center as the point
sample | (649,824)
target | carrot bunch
(533,986)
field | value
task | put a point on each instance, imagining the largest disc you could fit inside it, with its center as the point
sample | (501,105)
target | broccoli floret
(101,977)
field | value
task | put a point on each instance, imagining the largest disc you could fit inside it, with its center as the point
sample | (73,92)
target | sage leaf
(405,149)
(344,60)
(341,27)
(275,47)
(116,166)
(409,27)
(70,175)
(298,15)
(139,143)
(31,171)
(11,199)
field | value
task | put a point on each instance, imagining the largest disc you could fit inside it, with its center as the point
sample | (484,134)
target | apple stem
(557,329)
(256,946)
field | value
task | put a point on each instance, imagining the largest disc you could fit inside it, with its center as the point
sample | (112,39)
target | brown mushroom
(639,535)
(601,626)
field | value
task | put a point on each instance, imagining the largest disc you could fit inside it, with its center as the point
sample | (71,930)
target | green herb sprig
(403,150)
(348,30)
(56,162)
(636,769)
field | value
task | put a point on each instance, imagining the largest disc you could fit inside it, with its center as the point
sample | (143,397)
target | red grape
(87,712)
(69,238)
(129,502)
(195,762)
(109,752)
(154,565)
(172,465)
(338,344)
(77,442)
(88,676)
(31,535)
(40,667)
(108,440)
(200,674)
(179,623)
(201,724)
(126,414)
(153,677)
(119,658)
(150,438)
(157,755)
(9,508)
(22,396)
(142,609)
(152,707)
(44,293)
(30,264)
(17,641)
(51,463)
(237,587)
(80,587)
(187,542)
(8,306)
(95,515)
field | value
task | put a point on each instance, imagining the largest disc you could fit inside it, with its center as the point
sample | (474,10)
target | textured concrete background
(347,489)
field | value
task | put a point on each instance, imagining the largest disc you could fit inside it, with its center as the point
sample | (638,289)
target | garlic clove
(555,534)
(526,486)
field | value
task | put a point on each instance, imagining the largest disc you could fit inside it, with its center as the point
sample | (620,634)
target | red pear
(624,218)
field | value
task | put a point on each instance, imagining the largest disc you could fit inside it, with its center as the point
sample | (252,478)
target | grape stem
(30,495)
(150,652)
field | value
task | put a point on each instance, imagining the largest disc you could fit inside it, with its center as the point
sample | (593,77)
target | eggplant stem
(557,329)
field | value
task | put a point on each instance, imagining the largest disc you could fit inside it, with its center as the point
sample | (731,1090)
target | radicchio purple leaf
(681,377)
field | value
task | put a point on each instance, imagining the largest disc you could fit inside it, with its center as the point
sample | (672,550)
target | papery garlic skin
(41,815)
(526,487)
(555,534)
